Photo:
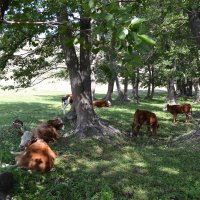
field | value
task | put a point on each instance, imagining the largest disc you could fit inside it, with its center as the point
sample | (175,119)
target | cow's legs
(187,118)
(174,118)
(135,129)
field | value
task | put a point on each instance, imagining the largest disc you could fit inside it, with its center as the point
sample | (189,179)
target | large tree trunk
(93,83)
(87,123)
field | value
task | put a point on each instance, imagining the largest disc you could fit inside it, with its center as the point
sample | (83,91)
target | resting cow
(66,100)
(18,125)
(101,103)
(144,117)
(37,156)
(179,109)
(48,131)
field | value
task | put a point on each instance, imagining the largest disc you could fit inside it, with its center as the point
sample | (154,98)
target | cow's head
(165,108)
(67,100)
(18,124)
(108,103)
(56,123)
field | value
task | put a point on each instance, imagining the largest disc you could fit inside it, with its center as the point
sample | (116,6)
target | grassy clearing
(139,168)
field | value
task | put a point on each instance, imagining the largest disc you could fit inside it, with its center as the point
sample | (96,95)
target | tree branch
(50,23)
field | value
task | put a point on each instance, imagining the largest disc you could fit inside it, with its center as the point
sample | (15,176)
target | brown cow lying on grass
(66,100)
(145,117)
(48,131)
(101,103)
(179,109)
(37,156)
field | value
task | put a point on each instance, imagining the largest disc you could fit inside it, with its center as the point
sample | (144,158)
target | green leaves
(147,39)
(123,33)
(91,3)
(137,21)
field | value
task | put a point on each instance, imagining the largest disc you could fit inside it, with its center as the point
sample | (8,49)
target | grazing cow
(144,117)
(101,103)
(18,125)
(48,131)
(37,156)
(7,183)
(66,100)
(179,109)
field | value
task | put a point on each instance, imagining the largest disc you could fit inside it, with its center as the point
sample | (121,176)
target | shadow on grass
(133,171)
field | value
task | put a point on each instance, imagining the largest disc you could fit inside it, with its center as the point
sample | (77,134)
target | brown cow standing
(179,109)
(37,156)
(144,117)
(101,103)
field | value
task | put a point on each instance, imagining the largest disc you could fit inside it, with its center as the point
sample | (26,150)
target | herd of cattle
(36,153)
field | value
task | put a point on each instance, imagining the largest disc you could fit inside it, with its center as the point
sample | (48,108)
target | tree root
(98,129)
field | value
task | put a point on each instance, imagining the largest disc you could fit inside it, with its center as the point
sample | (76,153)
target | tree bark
(110,89)
(152,81)
(149,83)
(194,23)
(135,87)
(126,89)
(197,91)
(119,90)
(171,98)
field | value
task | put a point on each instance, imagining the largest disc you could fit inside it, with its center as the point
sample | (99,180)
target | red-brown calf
(101,103)
(48,131)
(179,109)
(144,117)
(37,156)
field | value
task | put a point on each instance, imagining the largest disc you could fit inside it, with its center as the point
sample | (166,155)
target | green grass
(140,168)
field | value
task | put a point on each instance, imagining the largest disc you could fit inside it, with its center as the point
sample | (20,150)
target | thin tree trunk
(110,89)
(171,98)
(189,87)
(126,89)
(149,83)
(119,90)
(135,87)
(152,81)
(197,91)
